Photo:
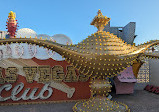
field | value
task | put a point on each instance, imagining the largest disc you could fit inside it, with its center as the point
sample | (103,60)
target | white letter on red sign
(7,87)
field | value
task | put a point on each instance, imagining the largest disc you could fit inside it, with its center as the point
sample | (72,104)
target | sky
(73,17)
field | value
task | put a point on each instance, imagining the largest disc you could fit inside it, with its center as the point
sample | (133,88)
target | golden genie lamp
(100,56)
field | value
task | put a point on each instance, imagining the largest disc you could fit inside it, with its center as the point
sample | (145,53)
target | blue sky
(73,17)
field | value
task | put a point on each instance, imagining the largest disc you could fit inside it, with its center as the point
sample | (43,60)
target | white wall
(154,71)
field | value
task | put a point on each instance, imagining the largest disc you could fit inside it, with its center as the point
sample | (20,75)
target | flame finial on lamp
(100,21)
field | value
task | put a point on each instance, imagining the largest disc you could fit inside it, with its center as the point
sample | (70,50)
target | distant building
(3,34)
(127,33)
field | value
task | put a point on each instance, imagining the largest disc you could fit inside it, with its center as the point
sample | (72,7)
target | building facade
(3,34)
(127,32)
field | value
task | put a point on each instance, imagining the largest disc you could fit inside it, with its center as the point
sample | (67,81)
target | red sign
(49,82)
(151,88)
